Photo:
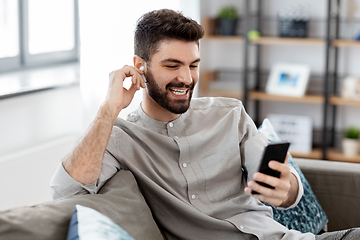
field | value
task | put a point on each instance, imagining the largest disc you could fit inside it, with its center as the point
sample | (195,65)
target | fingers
(274,197)
(119,96)
(277,183)
(142,81)
(136,78)
(270,196)
(128,71)
(282,185)
(280,167)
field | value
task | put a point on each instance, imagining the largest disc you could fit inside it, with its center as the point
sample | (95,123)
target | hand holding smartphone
(273,151)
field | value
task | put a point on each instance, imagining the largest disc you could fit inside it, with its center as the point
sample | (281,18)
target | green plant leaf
(352,132)
(228,12)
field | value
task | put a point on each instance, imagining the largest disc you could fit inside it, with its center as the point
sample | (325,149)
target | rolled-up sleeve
(63,185)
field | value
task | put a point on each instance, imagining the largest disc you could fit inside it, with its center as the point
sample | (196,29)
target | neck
(155,111)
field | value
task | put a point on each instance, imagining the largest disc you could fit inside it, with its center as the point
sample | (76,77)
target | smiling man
(169,89)
(191,158)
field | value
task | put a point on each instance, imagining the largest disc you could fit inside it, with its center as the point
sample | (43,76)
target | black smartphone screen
(273,151)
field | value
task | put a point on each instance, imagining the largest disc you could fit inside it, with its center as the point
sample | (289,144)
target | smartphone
(273,151)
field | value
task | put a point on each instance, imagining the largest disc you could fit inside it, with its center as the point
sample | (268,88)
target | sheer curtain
(106,35)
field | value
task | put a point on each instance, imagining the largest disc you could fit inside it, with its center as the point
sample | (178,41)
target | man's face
(172,75)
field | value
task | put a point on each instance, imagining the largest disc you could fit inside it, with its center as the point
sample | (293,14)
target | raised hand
(118,97)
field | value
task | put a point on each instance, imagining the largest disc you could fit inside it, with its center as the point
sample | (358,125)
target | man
(191,159)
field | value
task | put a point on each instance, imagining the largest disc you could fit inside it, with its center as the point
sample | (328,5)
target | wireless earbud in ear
(143,76)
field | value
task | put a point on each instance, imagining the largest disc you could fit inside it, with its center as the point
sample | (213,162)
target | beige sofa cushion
(120,200)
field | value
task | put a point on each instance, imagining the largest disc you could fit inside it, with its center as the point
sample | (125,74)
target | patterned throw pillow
(88,224)
(308,215)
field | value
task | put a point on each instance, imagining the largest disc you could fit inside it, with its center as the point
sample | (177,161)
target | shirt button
(184,165)
(241,227)
(193,196)
(171,124)
(176,137)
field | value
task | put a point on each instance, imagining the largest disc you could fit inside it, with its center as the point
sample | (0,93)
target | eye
(171,66)
(193,66)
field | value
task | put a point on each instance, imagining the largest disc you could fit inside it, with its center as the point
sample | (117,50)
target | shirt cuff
(63,185)
(300,191)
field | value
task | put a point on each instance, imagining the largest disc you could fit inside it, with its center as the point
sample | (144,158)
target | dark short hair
(164,24)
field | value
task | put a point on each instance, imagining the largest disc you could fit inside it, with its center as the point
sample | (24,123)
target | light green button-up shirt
(191,172)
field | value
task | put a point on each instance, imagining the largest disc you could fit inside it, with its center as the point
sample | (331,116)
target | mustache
(177,84)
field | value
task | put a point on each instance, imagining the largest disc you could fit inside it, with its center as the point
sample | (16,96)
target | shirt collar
(145,119)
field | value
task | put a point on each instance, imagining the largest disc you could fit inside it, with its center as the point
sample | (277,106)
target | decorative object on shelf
(227,20)
(351,87)
(295,129)
(351,12)
(253,35)
(357,37)
(210,26)
(288,79)
(350,142)
(293,21)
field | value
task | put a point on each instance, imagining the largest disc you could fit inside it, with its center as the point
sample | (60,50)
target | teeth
(179,91)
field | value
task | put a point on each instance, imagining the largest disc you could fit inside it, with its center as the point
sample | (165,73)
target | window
(9,29)
(37,32)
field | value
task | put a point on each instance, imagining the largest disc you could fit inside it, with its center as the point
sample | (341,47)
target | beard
(160,96)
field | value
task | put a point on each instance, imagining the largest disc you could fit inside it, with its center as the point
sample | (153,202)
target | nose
(185,76)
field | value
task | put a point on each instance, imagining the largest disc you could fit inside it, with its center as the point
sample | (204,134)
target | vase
(350,147)
(227,26)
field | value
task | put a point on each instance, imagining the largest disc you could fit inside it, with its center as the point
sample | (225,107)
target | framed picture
(295,129)
(351,88)
(288,79)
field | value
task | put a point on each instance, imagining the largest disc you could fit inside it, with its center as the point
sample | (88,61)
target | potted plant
(227,20)
(350,142)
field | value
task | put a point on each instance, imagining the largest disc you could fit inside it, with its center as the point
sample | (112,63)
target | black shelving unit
(251,77)
(330,73)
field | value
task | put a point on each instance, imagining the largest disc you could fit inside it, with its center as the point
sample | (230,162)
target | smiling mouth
(178,92)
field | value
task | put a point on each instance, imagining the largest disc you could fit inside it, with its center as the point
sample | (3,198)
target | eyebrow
(172,60)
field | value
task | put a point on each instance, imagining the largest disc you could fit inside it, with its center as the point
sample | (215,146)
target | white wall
(25,174)
(32,119)
(36,132)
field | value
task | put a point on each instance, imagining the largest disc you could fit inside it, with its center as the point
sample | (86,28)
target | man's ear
(138,61)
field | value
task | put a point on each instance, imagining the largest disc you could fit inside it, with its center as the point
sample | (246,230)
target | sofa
(335,184)
(337,188)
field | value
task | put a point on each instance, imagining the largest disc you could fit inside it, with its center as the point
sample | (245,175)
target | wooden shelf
(228,39)
(332,155)
(288,41)
(254,95)
(337,155)
(222,93)
(345,43)
(209,25)
(344,101)
(314,154)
